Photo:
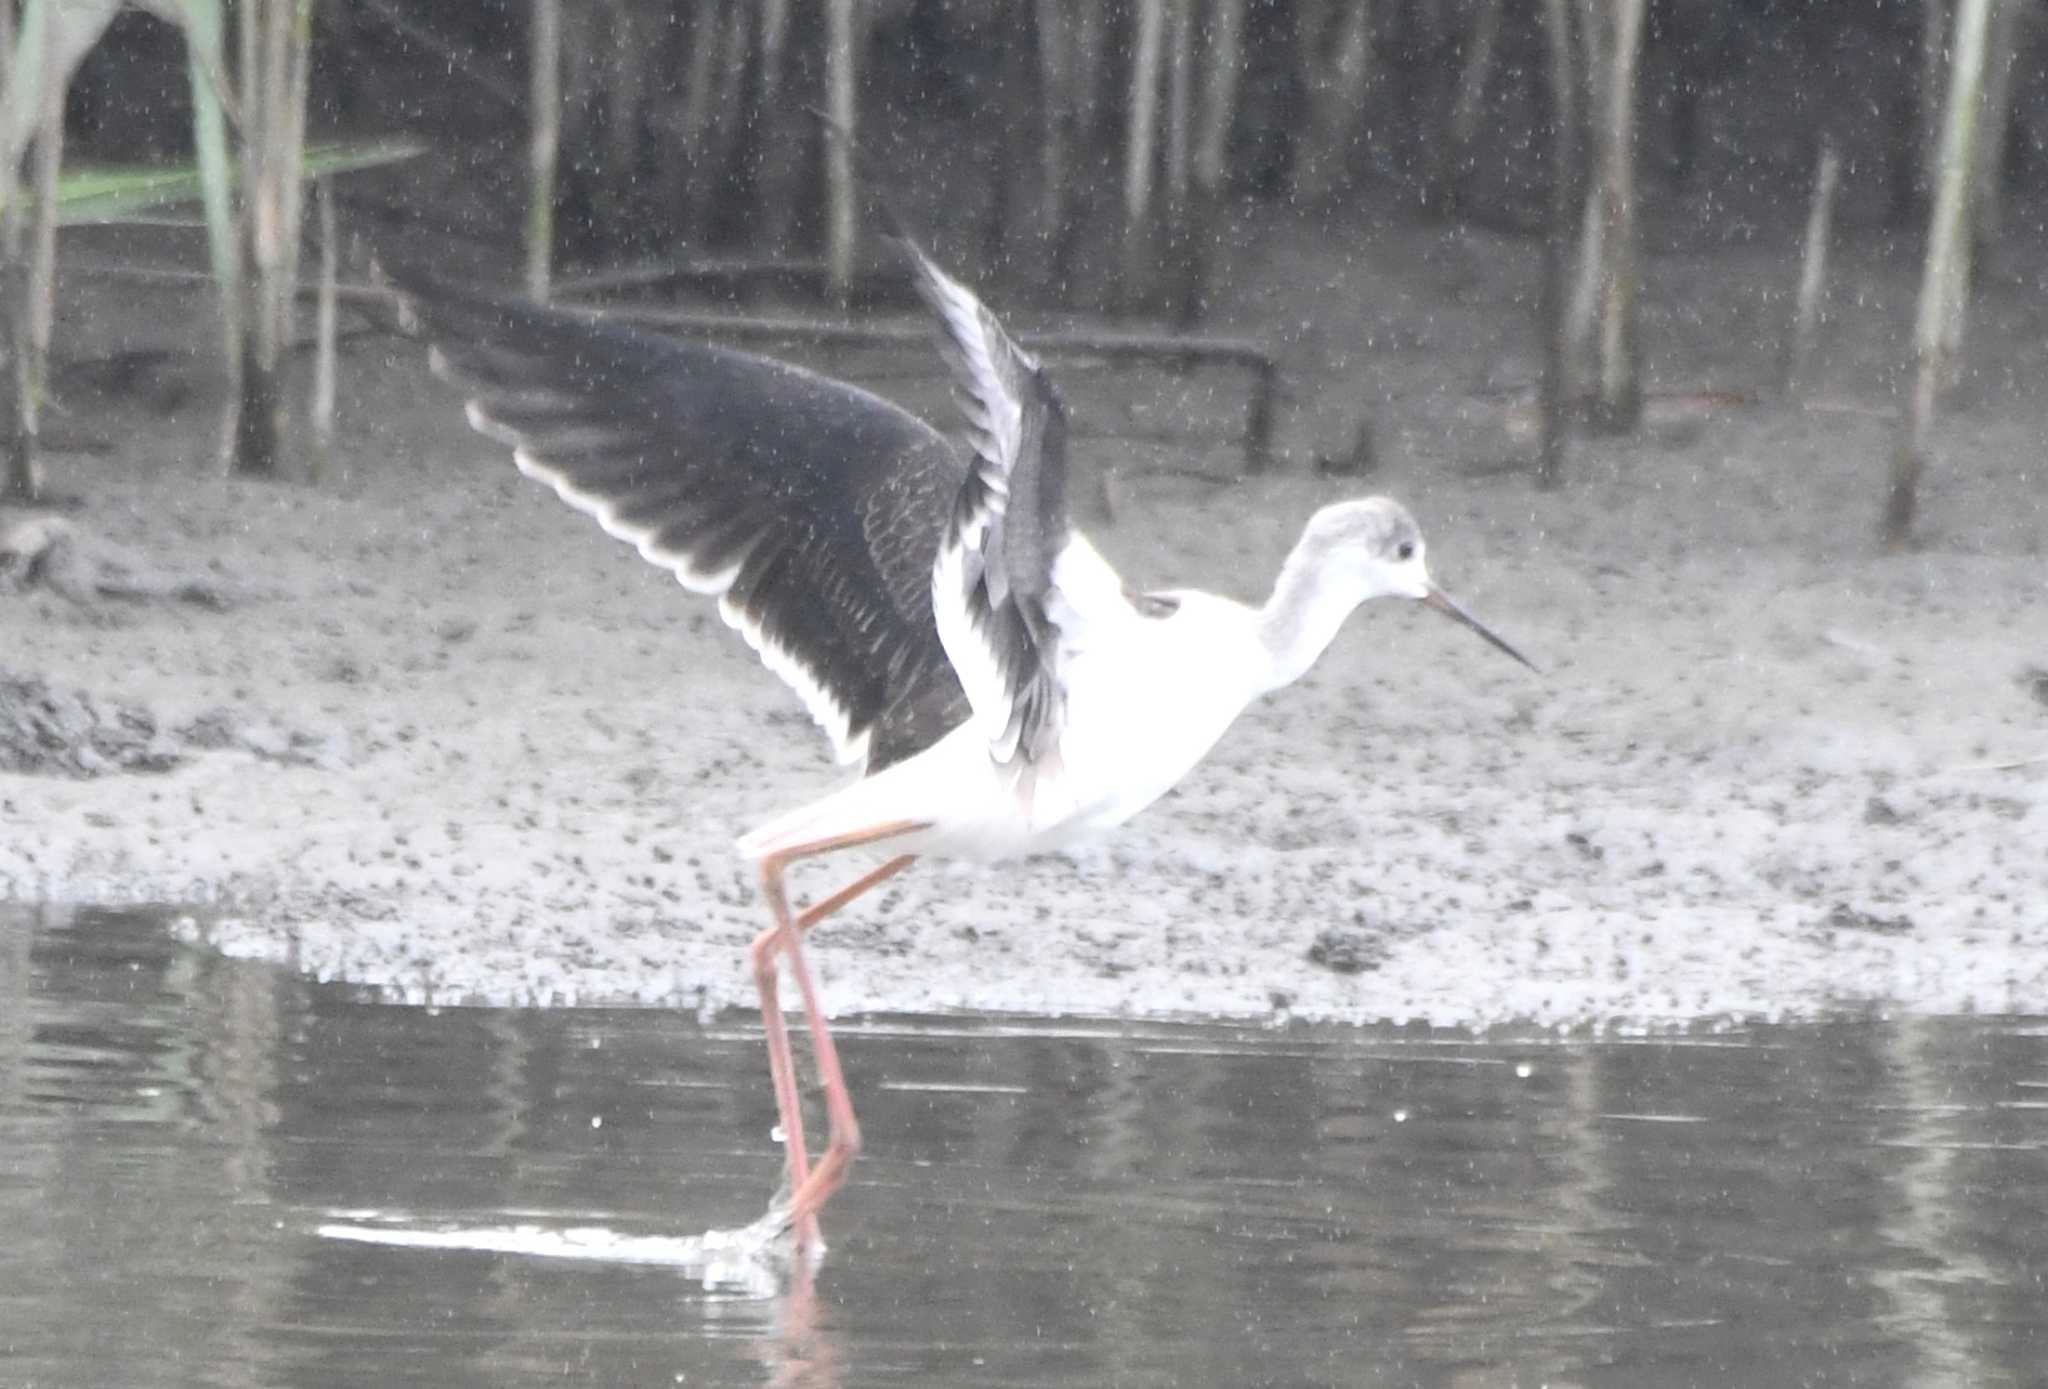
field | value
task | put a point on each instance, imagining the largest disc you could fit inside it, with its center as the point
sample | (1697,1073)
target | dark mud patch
(54,731)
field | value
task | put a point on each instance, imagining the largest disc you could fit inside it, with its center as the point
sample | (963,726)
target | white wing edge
(823,706)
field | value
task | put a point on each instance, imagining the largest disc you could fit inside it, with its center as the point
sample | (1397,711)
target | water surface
(1856,1203)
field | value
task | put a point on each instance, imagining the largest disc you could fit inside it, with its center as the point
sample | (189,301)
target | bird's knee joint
(763,951)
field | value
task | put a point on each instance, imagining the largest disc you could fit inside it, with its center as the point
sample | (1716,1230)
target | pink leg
(781,1066)
(781,1069)
(818,911)
(810,1188)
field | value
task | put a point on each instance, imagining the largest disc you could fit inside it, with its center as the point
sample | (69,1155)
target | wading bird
(1003,690)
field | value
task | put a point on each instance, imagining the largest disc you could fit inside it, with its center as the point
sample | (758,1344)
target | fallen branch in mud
(65,731)
(49,731)
(42,551)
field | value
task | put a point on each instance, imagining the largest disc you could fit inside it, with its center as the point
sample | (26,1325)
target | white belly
(1146,700)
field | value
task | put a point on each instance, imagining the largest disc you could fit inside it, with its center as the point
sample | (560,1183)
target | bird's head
(1370,546)
(1373,547)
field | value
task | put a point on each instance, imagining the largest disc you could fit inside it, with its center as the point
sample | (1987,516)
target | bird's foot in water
(781,1220)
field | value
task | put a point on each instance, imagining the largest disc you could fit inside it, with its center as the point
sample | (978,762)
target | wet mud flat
(418,726)
(1850,1202)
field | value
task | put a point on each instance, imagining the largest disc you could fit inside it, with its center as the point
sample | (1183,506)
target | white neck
(1303,616)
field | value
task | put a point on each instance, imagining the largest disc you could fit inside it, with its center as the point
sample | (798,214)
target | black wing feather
(813,509)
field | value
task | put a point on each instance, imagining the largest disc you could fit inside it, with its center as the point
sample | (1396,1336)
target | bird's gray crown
(1379,526)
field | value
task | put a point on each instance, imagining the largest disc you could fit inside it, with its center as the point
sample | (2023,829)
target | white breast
(1147,697)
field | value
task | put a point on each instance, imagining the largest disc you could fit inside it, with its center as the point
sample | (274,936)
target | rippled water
(181,1137)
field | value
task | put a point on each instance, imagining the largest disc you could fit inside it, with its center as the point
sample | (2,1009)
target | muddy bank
(442,735)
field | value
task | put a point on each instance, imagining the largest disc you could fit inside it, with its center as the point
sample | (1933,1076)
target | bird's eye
(1406,550)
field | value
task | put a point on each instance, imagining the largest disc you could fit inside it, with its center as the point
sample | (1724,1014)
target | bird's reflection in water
(800,1351)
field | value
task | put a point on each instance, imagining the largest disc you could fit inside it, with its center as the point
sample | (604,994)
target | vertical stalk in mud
(207,72)
(1552,312)
(1140,153)
(2002,42)
(841,33)
(1938,326)
(1582,308)
(544,143)
(25,480)
(275,38)
(296,39)
(1223,58)
(1180,62)
(1618,397)
(1813,266)
(17,464)
(781,136)
(10,173)
(325,328)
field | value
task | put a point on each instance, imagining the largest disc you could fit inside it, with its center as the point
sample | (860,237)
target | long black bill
(1443,603)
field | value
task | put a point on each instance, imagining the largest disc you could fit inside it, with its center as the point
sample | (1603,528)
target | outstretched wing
(811,509)
(1008,525)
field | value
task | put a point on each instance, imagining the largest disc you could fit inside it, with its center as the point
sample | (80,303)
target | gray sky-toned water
(1847,1203)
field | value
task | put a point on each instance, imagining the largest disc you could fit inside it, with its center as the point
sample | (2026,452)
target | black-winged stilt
(943,622)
